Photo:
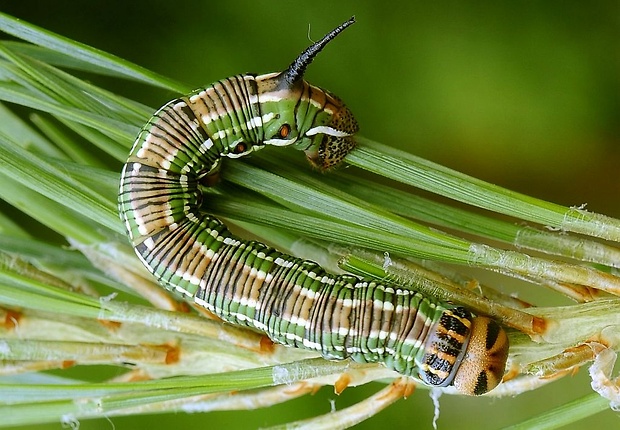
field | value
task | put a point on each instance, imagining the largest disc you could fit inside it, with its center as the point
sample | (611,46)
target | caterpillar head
(468,353)
(484,361)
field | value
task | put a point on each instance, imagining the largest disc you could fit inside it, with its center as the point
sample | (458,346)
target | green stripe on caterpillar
(295,302)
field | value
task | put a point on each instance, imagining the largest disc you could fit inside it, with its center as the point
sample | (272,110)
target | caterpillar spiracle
(293,301)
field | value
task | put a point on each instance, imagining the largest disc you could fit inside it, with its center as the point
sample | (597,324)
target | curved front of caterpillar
(295,302)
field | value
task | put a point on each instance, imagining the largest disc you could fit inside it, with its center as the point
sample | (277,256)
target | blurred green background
(522,94)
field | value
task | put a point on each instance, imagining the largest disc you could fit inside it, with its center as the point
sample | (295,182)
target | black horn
(296,70)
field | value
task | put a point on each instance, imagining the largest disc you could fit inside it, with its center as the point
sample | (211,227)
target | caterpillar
(295,302)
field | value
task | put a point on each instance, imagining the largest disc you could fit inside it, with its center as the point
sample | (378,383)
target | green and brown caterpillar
(295,302)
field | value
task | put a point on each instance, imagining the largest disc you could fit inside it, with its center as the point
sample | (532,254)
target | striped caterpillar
(295,302)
